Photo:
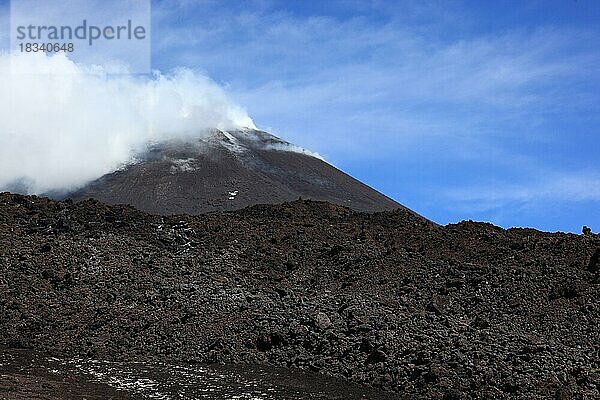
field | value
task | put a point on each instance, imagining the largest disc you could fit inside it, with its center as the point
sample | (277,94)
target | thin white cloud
(573,187)
(349,69)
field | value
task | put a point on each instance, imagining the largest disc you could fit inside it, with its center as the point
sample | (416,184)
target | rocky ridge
(389,299)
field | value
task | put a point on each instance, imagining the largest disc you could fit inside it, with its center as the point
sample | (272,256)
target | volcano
(229,170)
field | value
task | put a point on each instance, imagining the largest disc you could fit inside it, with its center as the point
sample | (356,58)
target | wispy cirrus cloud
(574,186)
(354,67)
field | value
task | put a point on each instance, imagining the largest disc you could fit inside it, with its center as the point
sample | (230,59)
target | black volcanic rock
(389,299)
(226,171)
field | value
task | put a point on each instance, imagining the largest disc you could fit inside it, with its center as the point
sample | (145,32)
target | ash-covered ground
(388,300)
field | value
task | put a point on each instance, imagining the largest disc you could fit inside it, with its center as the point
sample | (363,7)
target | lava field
(389,300)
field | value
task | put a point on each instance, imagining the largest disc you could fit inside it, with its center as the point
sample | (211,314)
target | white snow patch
(232,143)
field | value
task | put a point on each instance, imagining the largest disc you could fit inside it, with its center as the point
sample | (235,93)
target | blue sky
(458,109)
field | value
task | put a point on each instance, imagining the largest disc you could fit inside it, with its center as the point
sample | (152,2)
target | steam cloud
(63,124)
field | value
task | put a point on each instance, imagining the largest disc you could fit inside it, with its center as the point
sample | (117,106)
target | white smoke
(294,149)
(63,124)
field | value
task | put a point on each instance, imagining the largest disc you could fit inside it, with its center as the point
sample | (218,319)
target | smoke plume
(63,124)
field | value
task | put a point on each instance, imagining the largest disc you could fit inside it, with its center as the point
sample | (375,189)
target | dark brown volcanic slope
(228,171)
(387,299)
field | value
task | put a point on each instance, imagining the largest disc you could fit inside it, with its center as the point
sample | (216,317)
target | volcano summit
(229,170)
